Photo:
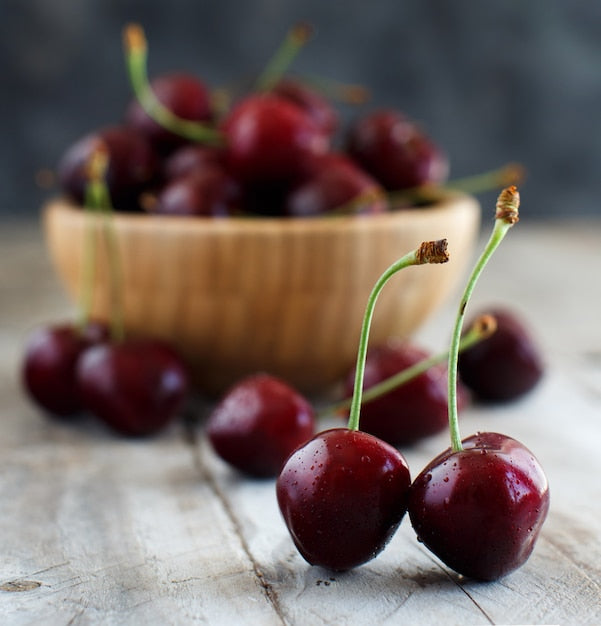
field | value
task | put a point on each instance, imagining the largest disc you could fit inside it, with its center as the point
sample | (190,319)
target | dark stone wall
(491,82)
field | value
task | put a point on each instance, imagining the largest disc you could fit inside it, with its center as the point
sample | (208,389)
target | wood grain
(101,530)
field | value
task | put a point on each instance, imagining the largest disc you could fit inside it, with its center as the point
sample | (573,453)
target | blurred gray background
(491,82)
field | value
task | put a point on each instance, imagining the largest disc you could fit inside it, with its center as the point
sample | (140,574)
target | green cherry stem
(92,203)
(100,200)
(295,39)
(136,56)
(508,174)
(506,216)
(482,328)
(428,252)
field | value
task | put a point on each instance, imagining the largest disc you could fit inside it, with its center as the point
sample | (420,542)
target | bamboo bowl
(284,296)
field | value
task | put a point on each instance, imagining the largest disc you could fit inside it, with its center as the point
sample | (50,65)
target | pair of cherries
(135,386)
(479,506)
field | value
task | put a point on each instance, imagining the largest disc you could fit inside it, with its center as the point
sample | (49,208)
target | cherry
(269,138)
(189,159)
(481,509)
(49,364)
(343,493)
(480,505)
(310,101)
(258,423)
(134,386)
(184,95)
(336,183)
(395,151)
(208,191)
(133,165)
(411,411)
(506,365)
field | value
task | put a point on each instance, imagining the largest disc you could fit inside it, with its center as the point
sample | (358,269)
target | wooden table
(96,529)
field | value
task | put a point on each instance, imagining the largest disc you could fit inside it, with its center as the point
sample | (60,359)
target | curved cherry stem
(98,197)
(481,329)
(508,174)
(295,39)
(505,217)
(136,55)
(428,252)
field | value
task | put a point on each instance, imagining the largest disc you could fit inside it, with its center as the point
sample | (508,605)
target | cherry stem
(508,174)
(347,93)
(481,329)
(295,39)
(136,55)
(98,197)
(506,216)
(428,252)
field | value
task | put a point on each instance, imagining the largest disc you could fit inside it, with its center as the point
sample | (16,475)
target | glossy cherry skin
(343,495)
(133,166)
(207,192)
(395,151)
(412,411)
(505,365)
(258,423)
(481,510)
(136,387)
(310,101)
(49,364)
(336,183)
(184,95)
(271,139)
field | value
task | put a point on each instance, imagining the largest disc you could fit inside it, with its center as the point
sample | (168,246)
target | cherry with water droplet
(343,494)
(481,509)
(480,505)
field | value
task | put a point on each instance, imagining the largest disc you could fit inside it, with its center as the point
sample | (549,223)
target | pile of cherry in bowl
(277,150)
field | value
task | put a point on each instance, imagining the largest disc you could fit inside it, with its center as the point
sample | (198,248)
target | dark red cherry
(133,165)
(258,423)
(413,410)
(343,495)
(136,386)
(336,183)
(481,510)
(189,159)
(184,95)
(271,139)
(394,150)
(310,101)
(208,191)
(51,355)
(504,366)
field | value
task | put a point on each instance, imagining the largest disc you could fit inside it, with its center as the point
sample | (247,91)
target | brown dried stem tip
(302,32)
(432,252)
(134,38)
(508,204)
(485,325)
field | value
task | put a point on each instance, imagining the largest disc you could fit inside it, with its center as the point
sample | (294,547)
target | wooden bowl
(285,296)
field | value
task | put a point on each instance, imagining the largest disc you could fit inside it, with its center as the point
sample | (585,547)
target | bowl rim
(444,200)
